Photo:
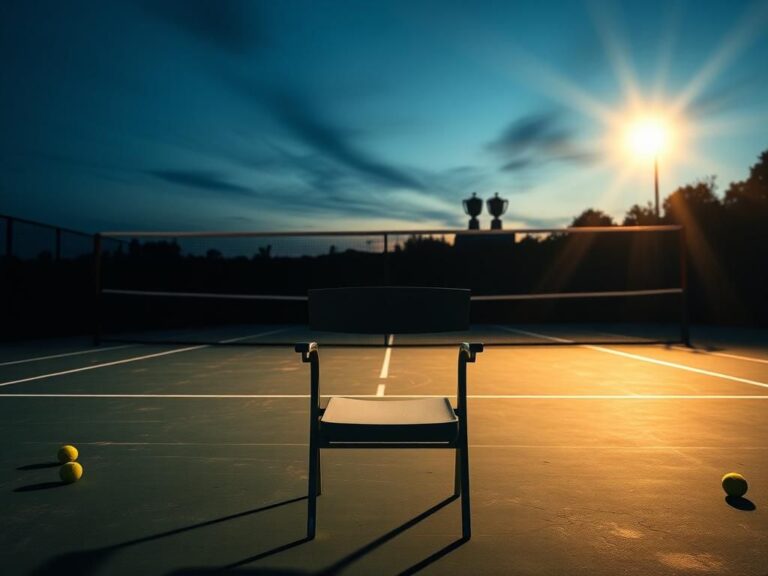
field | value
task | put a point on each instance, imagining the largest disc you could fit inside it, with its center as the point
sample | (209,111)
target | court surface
(585,460)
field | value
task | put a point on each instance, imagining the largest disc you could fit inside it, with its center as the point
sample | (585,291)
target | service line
(384,374)
(102,443)
(470,396)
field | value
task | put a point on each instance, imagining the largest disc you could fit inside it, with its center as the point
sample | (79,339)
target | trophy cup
(496,206)
(472,207)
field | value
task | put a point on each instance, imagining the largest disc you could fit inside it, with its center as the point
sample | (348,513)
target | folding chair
(379,422)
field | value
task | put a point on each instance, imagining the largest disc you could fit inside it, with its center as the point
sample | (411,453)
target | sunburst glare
(647,137)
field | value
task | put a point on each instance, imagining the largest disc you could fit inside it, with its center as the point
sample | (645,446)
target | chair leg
(314,482)
(466,521)
(457,474)
(319,474)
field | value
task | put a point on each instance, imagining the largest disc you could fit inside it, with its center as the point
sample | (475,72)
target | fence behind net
(47,279)
(546,285)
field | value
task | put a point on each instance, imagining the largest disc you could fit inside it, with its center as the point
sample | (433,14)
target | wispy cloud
(231,25)
(536,139)
(201,180)
(309,126)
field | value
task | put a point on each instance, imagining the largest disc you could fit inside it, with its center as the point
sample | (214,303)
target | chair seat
(382,420)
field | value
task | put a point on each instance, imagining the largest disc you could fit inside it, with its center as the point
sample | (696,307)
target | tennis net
(572,285)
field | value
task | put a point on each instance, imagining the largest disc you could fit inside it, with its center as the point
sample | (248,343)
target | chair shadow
(39,486)
(246,572)
(84,562)
(740,503)
(40,466)
(265,554)
(444,551)
(341,564)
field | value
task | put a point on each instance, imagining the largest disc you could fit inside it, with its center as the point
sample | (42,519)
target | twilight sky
(225,115)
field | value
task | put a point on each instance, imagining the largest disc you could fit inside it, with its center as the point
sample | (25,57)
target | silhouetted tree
(697,207)
(640,216)
(427,244)
(159,250)
(694,204)
(592,217)
(747,201)
(746,240)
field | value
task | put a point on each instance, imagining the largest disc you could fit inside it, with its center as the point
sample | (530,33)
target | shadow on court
(40,486)
(40,466)
(347,560)
(84,562)
(87,562)
(740,503)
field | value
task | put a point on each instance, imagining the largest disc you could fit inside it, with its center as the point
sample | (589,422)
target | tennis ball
(735,484)
(67,453)
(71,472)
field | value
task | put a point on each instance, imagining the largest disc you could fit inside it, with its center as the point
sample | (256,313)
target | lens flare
(647,137)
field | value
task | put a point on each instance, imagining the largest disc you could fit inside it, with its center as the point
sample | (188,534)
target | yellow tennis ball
(735,484)
(67,453)
(71,472)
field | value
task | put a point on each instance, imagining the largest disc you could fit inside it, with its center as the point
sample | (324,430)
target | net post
(386,259)
(9,238)
(58,244)
(9,287)
(97,289)
(685,335)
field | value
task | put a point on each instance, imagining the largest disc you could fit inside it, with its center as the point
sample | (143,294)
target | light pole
(656,183)
(647,138)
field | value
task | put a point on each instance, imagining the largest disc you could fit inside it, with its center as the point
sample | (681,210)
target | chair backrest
(389,310)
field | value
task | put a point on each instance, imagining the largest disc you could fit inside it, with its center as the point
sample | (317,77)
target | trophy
(472,207)
(496,206)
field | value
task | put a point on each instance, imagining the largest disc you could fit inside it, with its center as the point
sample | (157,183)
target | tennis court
(584,458)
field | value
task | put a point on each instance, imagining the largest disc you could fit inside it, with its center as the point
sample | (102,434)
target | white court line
(679,366)
(643,358)
(721,354)
(133,359)
(535,335)
(104,365)
(380,390)
(90,351)
(507,446)
(699,351)
(470,396)
(387,356)
(230,340)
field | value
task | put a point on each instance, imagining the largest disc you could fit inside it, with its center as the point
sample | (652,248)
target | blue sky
(192,115)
